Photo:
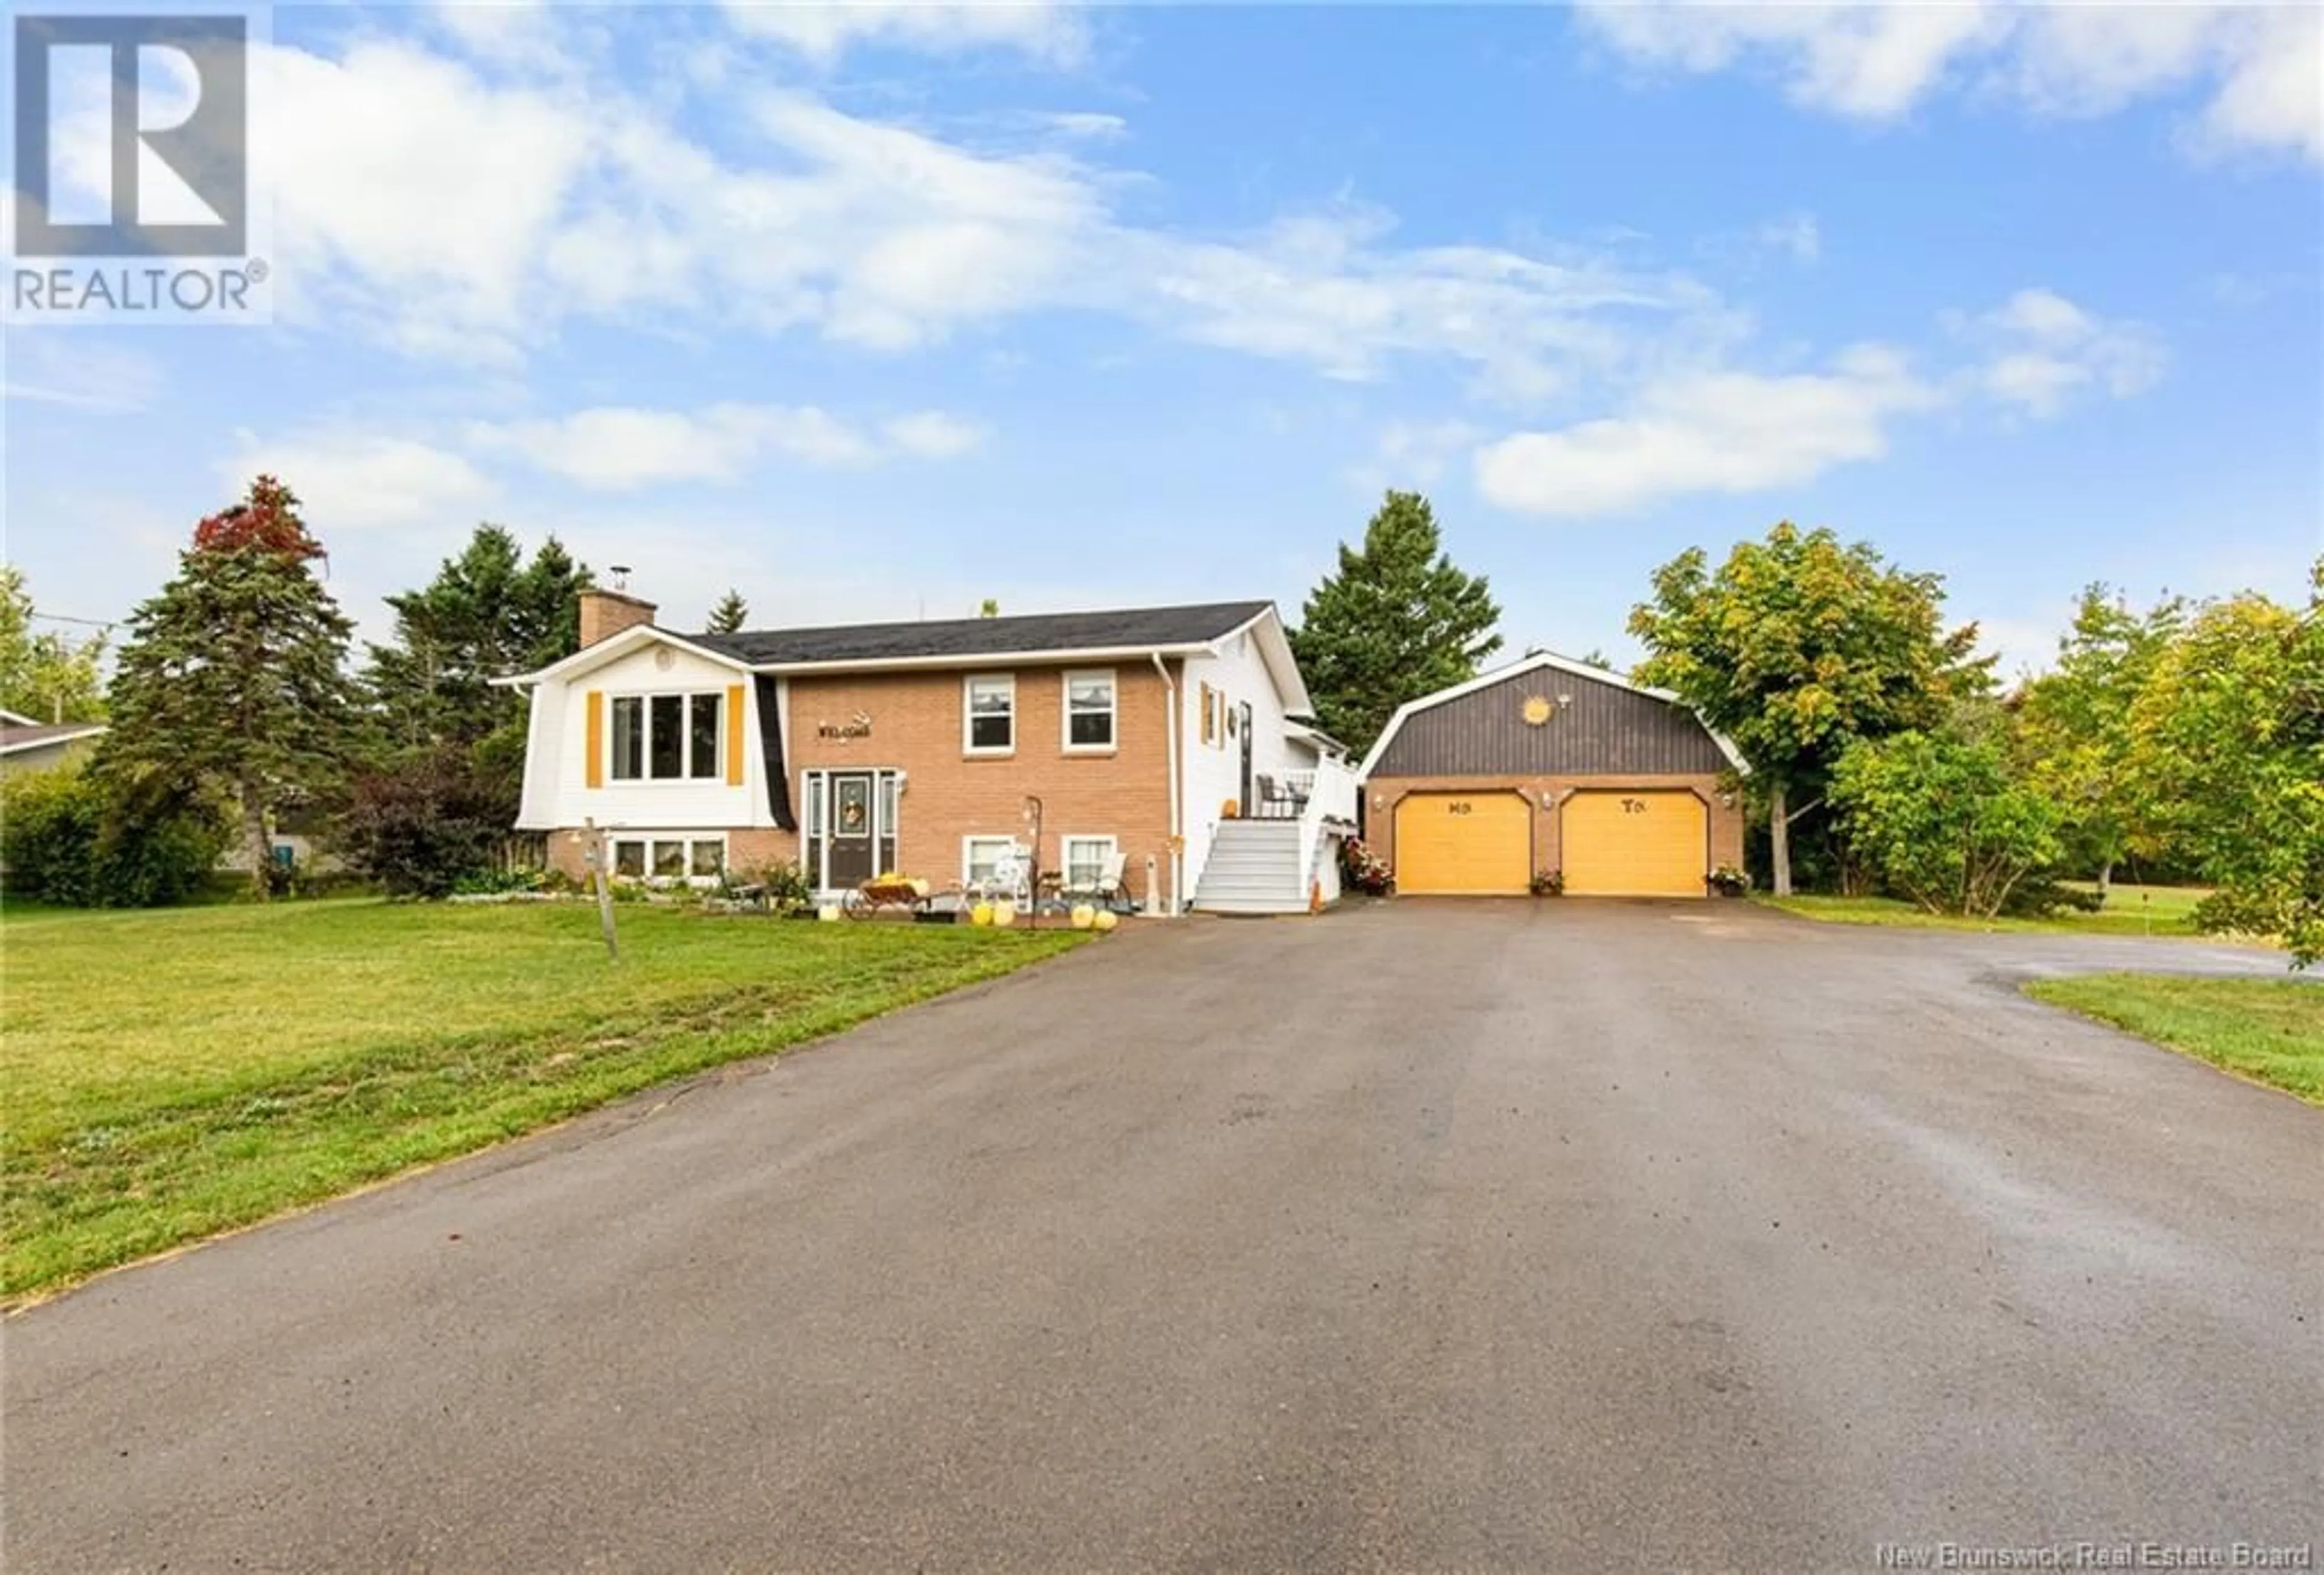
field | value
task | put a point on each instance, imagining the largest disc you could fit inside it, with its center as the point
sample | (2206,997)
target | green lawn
(2130,910)
(2270,1030)
(169,1074)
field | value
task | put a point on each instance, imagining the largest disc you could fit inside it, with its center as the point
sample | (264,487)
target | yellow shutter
(1637,843)
(733,735)
(593,770)
(1473,844)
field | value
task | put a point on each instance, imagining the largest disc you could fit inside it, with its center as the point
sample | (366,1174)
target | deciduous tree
(1798,646)
(2228,744)
(1395,621)
(2074,725)
(1942,821)
(46,675)
(233,676)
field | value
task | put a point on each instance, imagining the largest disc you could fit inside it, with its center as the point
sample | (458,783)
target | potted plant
(1548,883)
(1728,881)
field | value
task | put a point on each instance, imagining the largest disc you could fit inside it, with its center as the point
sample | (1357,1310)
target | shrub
(785,885)
(423,826)
(1942,822)
(1361,869)
(81,839)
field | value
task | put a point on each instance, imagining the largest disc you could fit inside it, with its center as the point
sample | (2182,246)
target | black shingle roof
(1130,628)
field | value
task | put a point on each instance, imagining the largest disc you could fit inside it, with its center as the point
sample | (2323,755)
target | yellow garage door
(1473,844)
(1634,844)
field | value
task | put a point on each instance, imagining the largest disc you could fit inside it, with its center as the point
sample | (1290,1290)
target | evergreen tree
(232,676)
(47,677)
(487,613)
(730,615)
(1395,621)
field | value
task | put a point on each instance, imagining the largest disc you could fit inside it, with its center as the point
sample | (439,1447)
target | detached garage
(1551,766)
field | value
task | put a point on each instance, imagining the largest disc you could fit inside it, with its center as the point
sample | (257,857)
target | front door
(854,813)
(1243,717)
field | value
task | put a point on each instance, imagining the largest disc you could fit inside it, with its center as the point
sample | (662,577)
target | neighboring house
(915,747)
(26,745)
(1550,765)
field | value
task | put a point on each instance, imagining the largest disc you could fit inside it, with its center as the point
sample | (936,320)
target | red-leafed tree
(233,676)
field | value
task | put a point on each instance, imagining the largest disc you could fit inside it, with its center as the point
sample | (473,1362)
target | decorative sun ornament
(665,658)
(1537,710)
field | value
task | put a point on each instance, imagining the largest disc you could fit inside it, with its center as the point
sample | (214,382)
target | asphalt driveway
(1548,1235)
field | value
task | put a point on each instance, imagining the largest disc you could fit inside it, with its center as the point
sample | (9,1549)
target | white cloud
(2043,350)
(1796,235)
(1718,432)
(458,215)
(71,367)
(934,435)
(619,447)
(1413,454)
(1087,124)
(2261,67)
(822,32)
(362,481)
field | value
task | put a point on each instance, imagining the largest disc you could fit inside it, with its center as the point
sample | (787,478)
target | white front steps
(1253,868)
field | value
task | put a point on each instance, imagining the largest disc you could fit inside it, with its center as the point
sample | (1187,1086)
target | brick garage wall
(1543,793)
(949,794)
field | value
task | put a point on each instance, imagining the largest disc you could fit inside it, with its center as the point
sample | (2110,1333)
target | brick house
(1170,737)
(1551,765)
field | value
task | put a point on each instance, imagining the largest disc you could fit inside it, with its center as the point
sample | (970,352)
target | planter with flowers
(1548,883)
(1728,881)
(1363,870)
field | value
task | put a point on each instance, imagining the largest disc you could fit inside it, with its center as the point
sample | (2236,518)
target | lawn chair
(1011,880)
(1110,886)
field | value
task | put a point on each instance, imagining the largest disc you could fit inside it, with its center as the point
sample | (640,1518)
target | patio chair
(1012,880)
(1109,887)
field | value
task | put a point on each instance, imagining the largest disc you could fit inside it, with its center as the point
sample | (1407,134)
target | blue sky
(875,311)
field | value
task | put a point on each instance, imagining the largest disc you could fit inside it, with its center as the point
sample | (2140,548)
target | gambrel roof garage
(1552,768)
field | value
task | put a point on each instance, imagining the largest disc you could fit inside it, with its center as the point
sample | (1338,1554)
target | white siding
(1213,772)
(557,793)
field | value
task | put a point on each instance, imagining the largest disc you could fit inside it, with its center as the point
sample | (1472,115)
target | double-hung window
(988,713)
(668,738)
(1085,860)
(979,856)
(1090,710)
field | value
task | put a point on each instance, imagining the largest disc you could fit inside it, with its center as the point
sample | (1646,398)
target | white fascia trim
(1539,659)
(613,645)
(1275,651)
(91,731)
(989,661)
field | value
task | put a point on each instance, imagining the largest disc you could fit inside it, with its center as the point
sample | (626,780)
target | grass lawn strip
(2130,910)
(167,1076)
(2268,1030)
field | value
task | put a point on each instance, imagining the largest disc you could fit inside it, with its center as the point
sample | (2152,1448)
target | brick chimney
(605,613)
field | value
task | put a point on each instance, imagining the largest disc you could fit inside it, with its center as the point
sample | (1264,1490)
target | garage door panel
(1474,845)
(1642,844)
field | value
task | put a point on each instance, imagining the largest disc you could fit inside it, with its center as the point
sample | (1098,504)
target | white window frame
(1112,845)
(646,838)
(1112,711)
(687,773)
(968,846)
(968,745)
